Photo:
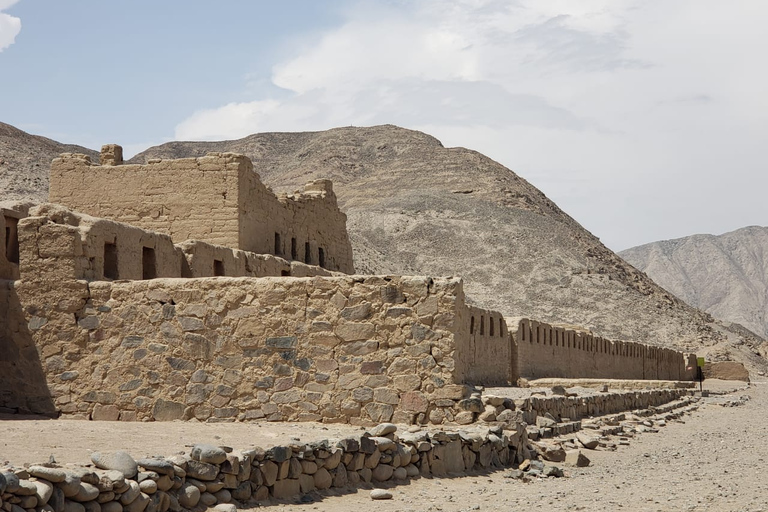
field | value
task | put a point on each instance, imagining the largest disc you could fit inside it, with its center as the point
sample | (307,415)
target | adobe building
(217,199)
(121,306)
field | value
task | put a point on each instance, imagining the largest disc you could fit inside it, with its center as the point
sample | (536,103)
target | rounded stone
(223,496)
(86,492)
(208,453)
(382,472)
(160,466)
(73,506)
(91,506)
(119,461)
(381,494)
(383,429)
(44,491)
(11,482)
(111,506)
(400,474)
(148,486)
(208,499)
(189,496)
(225,507)
(70,486)
(51,474)
(384,444)
(215,486)
(323,479)
(3,483)
(26,488)
(131,494)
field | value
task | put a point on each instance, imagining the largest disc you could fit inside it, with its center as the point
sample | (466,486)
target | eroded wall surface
(484,351)
(549,351)
(217,198)
(56,243)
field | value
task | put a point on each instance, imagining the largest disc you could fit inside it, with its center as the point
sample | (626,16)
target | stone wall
(217,198)
(23,385)
(580,407)
(484,354)
(548,351)
(210,475)
(354,349)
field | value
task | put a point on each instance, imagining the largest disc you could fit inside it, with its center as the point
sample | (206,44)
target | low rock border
(222,478)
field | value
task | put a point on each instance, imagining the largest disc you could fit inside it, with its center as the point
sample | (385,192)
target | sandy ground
(713,461)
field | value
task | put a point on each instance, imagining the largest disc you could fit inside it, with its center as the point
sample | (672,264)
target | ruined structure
(201,294)
(217,199)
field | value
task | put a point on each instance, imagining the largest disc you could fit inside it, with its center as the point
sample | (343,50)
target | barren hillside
(25,161)
(414,206)
(725,275)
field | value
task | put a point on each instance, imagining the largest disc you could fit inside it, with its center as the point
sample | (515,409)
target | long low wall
(576,408)
(210,476)
(549,351)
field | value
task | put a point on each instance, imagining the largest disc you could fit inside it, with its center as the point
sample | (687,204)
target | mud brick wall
(57,243)
(357,349)
(485,354)
(548,351)
(217,198)
(10,214)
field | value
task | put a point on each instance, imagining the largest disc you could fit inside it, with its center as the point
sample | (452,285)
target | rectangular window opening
(482,326)
(294,250)
(307,253)
(490,326)
(321,257)
(218,268)
(110,261)
(472,325)
(278,245)
(148,263)
(501,327)
(11,239)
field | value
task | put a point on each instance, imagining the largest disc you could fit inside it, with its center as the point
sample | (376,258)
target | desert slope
(25,161)
(725,275)
(415,206)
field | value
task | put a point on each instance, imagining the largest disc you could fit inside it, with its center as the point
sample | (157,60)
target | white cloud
(624,112)
(10,26)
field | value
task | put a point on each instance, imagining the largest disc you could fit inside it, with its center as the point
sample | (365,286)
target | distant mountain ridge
(725,275)
(416,207)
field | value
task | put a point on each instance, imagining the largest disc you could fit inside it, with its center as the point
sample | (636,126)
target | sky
(644,120)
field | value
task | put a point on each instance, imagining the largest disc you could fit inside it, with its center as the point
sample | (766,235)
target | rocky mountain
(725,275)
(414,206)
(25,161)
